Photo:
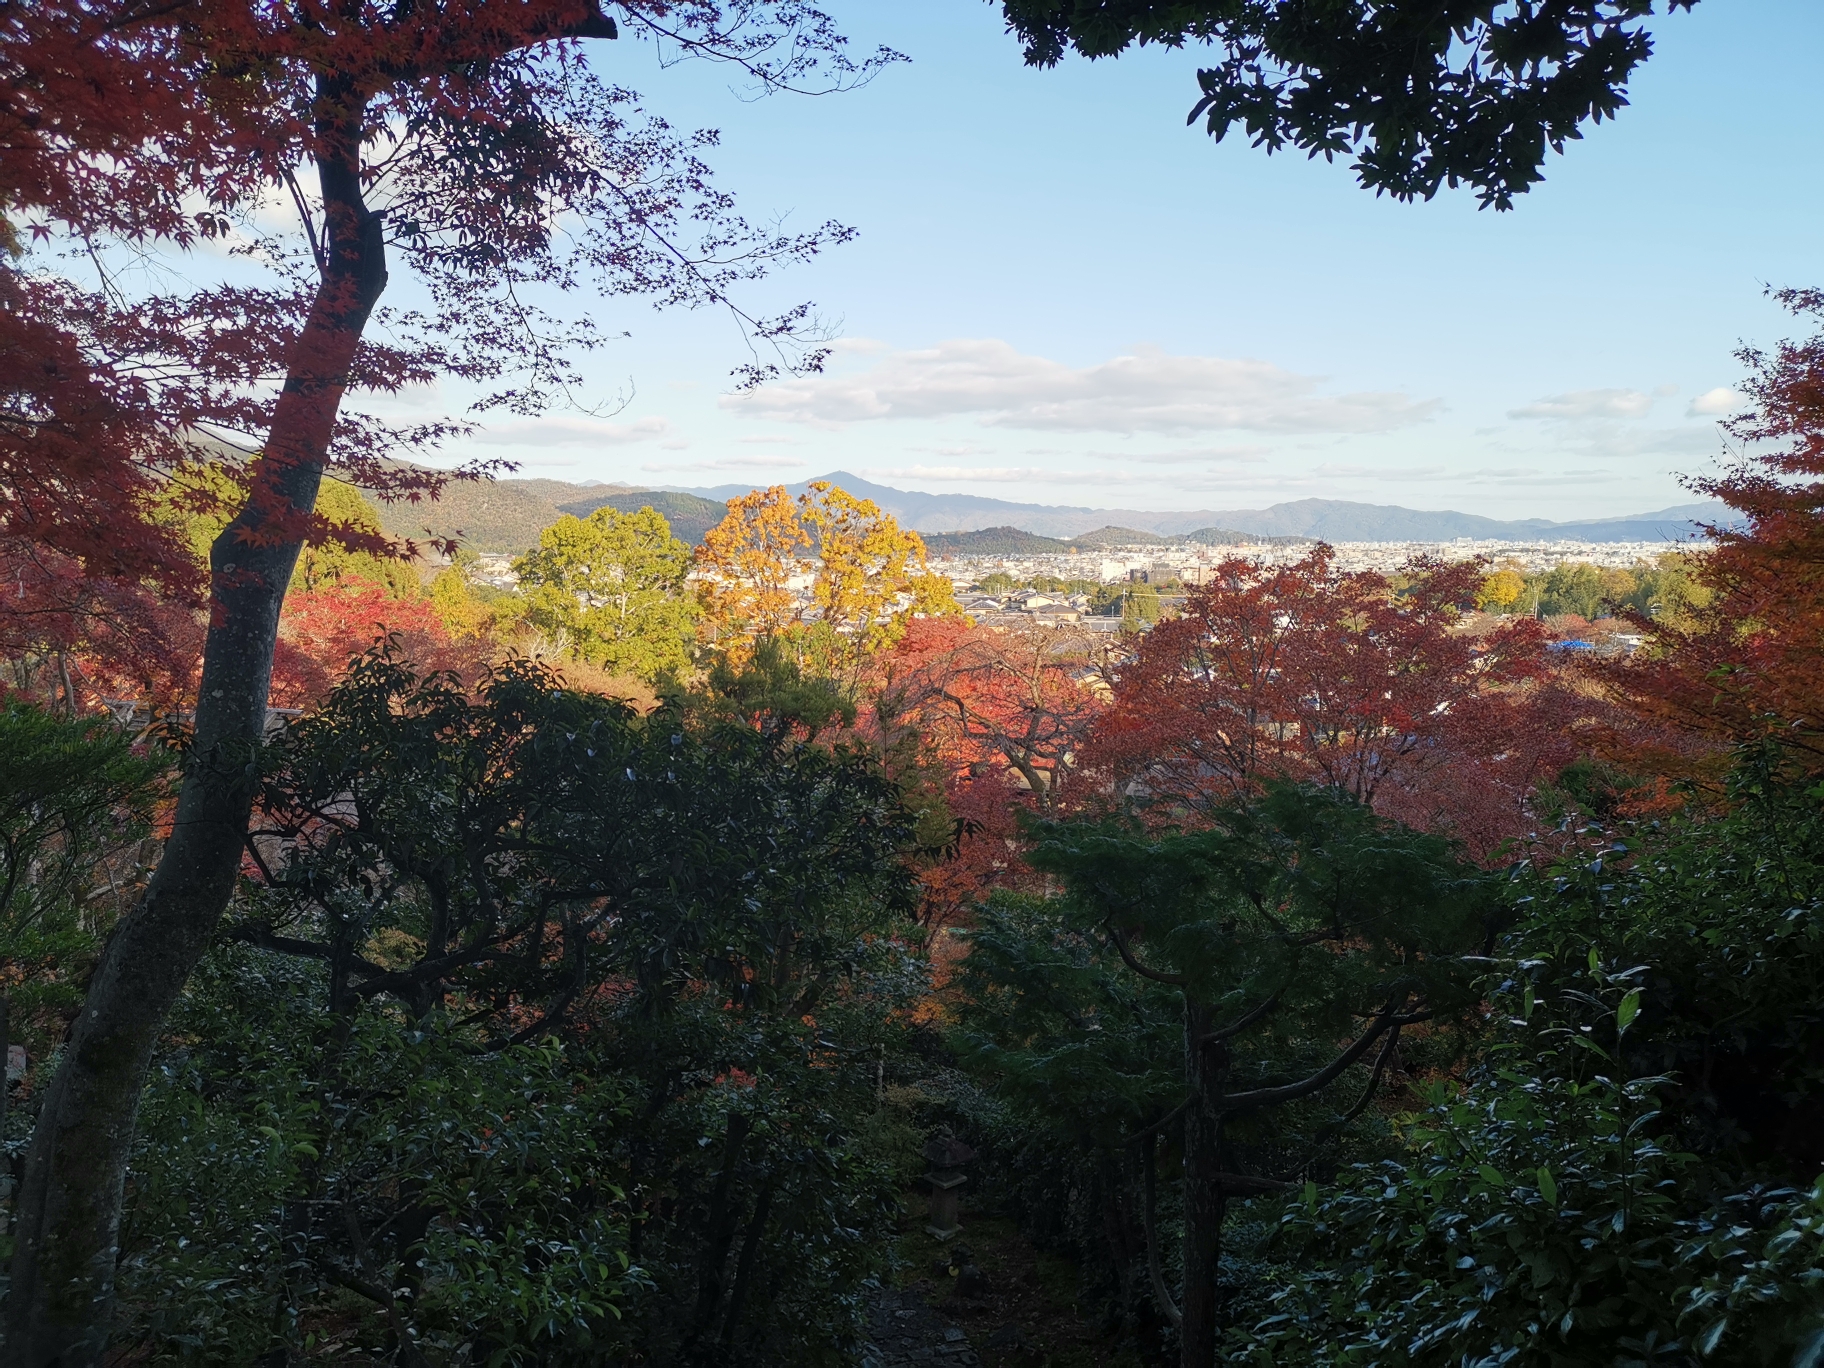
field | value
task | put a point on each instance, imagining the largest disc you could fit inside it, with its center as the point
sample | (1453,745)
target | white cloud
(1713,402)
(858,346)
(999,474)
(1367,472)
(1249,454)
(759,439)
(556,432)
(1591,403)
(1607,440)
(1147,391)
(412,400)
(729,463)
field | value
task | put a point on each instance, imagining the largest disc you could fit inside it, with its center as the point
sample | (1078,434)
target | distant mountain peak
(507,515)
(1311,518)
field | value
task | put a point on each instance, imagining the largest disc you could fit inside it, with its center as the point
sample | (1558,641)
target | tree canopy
(613,585)
(867,575)
(1420,94)
(450,143)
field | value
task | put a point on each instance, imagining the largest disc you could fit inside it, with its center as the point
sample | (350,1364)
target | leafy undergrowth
(1027,1290)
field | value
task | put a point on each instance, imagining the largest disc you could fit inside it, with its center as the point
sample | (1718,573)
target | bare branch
(1236,1027)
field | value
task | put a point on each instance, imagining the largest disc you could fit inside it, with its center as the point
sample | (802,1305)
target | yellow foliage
(868,575)
(463,614)
(1501,591)
(746,562)
(868,565)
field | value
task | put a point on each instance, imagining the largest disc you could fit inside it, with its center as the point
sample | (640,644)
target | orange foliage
(868,574)
(1748,666)
(1001,715)
(748,559)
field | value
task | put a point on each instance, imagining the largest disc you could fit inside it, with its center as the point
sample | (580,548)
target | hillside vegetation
(506,516)
(992,541)
(690,515)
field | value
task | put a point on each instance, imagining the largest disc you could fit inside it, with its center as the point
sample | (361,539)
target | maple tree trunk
(1203,1190)
(59,1306)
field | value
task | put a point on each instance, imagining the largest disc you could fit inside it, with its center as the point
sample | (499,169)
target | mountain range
(1335,520)
(507,516)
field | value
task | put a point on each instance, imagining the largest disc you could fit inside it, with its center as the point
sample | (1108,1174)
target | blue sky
(1059,293)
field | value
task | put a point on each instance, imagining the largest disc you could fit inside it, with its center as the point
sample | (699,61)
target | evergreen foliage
(612,586)
(547,1030)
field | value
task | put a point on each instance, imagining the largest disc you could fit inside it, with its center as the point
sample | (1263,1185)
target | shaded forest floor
(1026,1316)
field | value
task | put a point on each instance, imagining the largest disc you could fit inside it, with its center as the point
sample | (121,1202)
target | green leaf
(1629,1009)
(1711,1337)
(1548,1186)
(1491,1176)
(1526,1003)
(1588,1044)
(1810,1353)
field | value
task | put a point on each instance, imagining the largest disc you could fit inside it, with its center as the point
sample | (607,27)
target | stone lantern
(946,1156)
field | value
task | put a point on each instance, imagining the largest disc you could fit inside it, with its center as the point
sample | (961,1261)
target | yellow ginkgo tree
(859,575)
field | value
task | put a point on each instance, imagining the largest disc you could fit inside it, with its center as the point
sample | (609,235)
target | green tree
(201,498)
(1573,587)
(74,802)
(1541,1220)
(1631,1173)
(1140,606)
(1194,986)
(1668,590)
(547,1030)
(613,584)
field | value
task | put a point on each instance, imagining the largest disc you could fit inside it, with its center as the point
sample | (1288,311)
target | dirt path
(906,1332)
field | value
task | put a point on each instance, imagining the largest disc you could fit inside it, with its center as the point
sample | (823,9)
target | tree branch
(1174,1114)
(1235,1028)
(1374,1082)
(1290,1092)
(1155,975)
(1240,1184)
(1161,1293)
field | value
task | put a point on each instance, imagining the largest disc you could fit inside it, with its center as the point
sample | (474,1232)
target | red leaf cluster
(1346,679)
(324,629)
(1001,715)
(1376,686)
(1748,666)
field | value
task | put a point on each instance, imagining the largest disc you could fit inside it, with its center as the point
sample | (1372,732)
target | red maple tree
(1746,667)
(471,144)
(1346,679)
(325,628)
(1001,715)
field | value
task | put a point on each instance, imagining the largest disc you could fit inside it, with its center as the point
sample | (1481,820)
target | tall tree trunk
(59,1307)
(1204,1065)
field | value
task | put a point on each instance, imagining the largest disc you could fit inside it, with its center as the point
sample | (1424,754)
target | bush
(1537,1221)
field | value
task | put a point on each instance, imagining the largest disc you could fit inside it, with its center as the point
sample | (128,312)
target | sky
(1059,293)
